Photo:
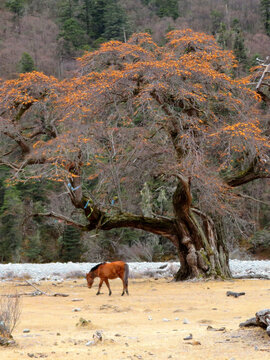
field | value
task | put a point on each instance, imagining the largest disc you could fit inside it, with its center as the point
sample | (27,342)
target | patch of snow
(60,271)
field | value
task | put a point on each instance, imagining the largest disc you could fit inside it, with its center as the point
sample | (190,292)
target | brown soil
(148,324)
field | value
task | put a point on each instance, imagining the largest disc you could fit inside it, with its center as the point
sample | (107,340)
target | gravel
(70,270)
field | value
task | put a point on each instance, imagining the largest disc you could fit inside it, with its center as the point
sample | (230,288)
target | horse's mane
(96,266)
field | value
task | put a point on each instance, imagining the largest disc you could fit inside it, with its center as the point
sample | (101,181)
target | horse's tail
(126,274)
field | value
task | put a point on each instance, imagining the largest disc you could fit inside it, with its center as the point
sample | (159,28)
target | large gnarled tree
(135,111)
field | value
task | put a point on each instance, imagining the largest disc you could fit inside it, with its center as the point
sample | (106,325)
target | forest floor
(150,323)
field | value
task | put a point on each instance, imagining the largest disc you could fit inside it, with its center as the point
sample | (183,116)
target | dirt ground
(151,323)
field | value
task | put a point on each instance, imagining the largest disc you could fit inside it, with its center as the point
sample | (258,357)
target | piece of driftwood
(261,319)
(44,293)
(234,294)
(38,292)
(32,293)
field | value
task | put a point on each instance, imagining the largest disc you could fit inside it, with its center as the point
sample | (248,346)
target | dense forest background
(48,36)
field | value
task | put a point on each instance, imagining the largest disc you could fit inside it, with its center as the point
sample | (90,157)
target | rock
(26,330)
(165,320)
(189,337)
(194,343)
(37,355)
(211,328)
(76,309)
(76,299)
(205,321)
(185,321)
(150,318)
(98,335)
(176,319)
(235,294)
(89,343)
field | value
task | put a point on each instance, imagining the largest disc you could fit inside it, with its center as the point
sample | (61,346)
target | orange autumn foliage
(133,105)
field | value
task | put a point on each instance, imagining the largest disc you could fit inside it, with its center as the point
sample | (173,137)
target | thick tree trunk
(202,252)
(203,255)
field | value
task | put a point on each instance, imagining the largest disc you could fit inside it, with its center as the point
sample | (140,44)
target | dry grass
(148,324)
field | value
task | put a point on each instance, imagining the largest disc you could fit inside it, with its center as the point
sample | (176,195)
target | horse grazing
(105,271)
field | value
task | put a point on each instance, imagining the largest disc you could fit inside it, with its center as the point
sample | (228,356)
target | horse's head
(90,279)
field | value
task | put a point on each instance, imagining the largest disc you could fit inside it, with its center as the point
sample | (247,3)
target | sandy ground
(151,323)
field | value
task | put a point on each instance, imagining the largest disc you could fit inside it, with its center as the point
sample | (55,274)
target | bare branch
(67,220)
(12,166)
(252,198)
(267,70)
(19,140)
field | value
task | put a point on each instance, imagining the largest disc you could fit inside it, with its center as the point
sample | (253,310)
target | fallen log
(235,294)
(44,293)
(261,319)
(38,292)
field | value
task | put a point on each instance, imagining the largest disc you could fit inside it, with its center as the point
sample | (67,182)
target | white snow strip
(59,271)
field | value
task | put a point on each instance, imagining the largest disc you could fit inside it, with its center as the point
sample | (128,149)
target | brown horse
(105,271)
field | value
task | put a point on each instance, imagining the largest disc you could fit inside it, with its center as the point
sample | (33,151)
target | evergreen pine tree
(223,36)
(16,7)
(167,8)
(239,43)
(216,17)
(86,15)
(73,30)
(26,63)
(163,8)
(115,23)
(31,248)
(265,12)
(71,249)
(97,18)
(10,226)
(73,34)
(108,20)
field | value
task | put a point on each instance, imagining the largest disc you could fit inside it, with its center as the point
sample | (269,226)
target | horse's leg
(99,286)
(126,273)
(127,289)
(108,286)
(124,287)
